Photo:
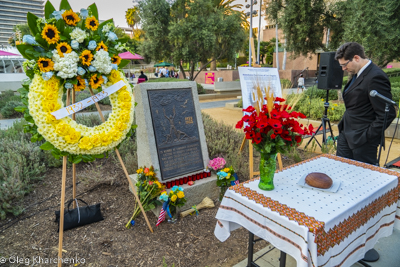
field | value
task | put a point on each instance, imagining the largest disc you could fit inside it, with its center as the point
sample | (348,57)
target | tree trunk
(213,65)
(192,64)
(182,71)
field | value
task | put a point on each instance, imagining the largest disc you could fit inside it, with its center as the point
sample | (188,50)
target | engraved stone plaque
(176,131)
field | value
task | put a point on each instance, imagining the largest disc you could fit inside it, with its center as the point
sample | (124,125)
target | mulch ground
(33,236)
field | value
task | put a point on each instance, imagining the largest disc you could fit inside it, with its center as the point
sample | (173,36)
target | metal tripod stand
(325,120)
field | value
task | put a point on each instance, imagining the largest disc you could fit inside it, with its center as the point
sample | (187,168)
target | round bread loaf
(319,180)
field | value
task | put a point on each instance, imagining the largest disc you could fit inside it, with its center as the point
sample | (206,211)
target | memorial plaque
(176,131)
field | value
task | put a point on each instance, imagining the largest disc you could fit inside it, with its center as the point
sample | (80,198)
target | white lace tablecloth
(317,228)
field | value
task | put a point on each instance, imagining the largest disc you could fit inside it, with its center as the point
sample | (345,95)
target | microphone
(374,93)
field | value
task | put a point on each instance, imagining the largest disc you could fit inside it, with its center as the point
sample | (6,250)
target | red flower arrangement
(274,129)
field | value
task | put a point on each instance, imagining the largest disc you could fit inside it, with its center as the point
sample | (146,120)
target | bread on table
(319,180)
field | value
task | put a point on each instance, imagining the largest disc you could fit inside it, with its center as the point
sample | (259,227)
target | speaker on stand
(330,76)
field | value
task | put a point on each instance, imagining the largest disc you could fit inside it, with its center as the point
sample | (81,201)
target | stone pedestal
(194,194)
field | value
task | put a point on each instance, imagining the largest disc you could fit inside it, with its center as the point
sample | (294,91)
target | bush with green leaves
(20,165)
(8,111)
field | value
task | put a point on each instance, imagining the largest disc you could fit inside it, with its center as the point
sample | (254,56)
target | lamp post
(250,14)
(259,34)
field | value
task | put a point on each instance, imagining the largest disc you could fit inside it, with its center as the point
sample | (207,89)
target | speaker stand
(325,121)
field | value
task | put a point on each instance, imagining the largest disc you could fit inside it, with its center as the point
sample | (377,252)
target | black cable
(391,142)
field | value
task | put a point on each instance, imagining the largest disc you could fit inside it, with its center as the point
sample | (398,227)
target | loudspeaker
(330,74)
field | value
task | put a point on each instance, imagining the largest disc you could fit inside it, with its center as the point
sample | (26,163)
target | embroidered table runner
(317,228)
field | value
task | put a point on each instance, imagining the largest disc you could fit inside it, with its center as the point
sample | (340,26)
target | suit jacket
(362,121)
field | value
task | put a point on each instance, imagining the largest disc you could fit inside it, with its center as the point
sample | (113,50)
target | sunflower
(45,64)
(81,85)
(70,17)
(101,45)
(63,48)
(86,57)
(95,81)
(50,34)
(92,23)
(116,60)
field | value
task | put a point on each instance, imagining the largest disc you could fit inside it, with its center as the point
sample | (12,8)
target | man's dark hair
(348,50)
(141,72)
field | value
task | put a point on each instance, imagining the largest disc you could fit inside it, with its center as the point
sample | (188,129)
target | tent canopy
(164,64)
(129,55)
(5,53)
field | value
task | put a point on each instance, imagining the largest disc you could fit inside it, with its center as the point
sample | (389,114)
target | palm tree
(132,16)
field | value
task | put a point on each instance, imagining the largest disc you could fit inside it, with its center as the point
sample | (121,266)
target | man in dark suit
(360,129)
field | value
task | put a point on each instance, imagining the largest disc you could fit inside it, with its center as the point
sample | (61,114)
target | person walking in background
(300,83)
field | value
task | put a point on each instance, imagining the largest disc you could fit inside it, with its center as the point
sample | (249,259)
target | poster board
(210,77)
(250,77)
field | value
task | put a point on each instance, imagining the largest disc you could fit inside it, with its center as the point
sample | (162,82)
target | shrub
(285,84)
(8,111)
(7,96)
(20,165)
(224,141)
(200,89)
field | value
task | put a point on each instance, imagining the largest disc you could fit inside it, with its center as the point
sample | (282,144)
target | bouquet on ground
(171,201)
(216,163)
(225,178)
(148,190)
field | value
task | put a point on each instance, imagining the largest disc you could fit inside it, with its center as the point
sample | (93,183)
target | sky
(113,8)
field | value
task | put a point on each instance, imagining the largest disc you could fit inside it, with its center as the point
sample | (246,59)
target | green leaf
(99,156)
(30,73)
(28,118)
(48,9)
(23,91)
(123,40)
(77,160)
(47,146)
(34,138)
(65,5)
(60,25)
(40,40)
(123,63)
(20,108)
(32,23)
(21,48)
(93,8)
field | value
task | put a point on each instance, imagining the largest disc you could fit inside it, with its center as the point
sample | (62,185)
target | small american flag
(162,213)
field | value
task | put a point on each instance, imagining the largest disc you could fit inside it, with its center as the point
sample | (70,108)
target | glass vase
(267,171)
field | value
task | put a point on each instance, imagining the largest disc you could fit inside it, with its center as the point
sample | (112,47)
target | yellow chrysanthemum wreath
(67,135)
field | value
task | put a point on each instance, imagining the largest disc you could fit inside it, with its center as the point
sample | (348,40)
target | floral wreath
(72,51)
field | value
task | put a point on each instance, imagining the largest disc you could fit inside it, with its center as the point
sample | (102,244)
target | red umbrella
(129,55)
(4,53)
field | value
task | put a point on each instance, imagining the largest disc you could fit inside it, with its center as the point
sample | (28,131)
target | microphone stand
(383,132)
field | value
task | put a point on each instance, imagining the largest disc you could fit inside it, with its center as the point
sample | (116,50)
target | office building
(13,12)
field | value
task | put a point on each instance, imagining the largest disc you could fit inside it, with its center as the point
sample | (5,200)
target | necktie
(352,81)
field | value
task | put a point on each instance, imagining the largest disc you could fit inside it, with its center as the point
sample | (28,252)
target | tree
(302,22)
(155,18)
(203,33)
(375,25)
(19,31)
(132,17)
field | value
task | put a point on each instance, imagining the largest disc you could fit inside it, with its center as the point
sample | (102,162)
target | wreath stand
(64,176)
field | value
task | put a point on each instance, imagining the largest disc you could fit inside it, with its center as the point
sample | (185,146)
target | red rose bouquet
(273,128)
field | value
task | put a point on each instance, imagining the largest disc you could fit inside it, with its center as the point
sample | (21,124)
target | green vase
(267,171)
(222,192)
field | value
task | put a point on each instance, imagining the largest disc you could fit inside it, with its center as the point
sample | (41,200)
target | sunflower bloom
(50,34)
(63,48)
(95,81)
(81,85)
(92,23)
(116,60)
(45,64)
(70,17)
(86,57)
(101,45)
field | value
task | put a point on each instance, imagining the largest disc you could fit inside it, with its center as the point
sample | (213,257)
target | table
(317,228)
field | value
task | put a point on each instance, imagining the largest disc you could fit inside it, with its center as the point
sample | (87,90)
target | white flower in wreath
(102,62)
(78,35)
(66,66)
(119,47)
(107,27)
